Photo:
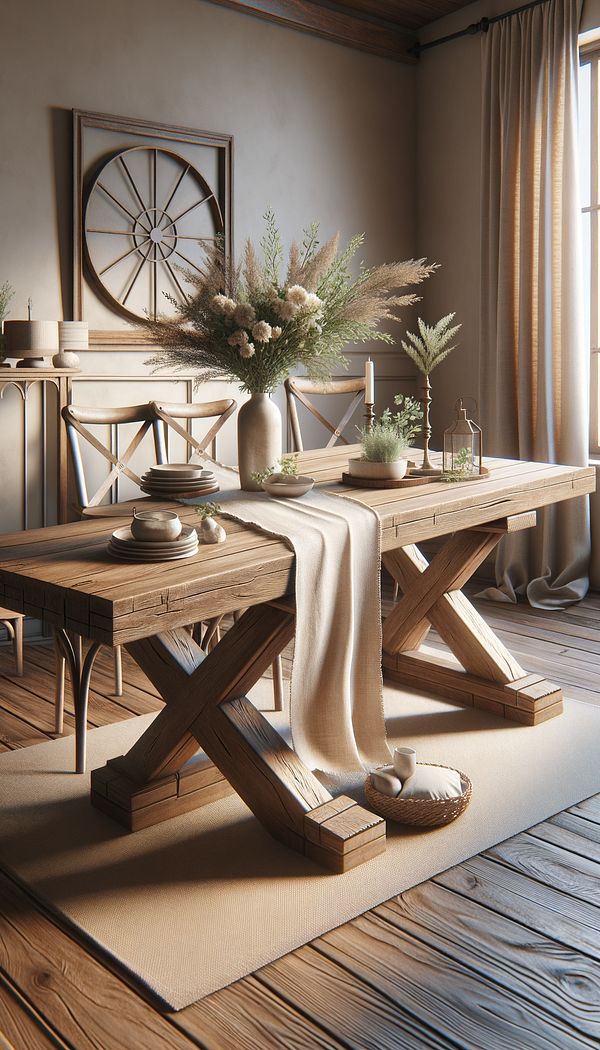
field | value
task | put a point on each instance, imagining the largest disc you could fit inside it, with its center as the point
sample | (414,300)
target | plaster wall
(321,132)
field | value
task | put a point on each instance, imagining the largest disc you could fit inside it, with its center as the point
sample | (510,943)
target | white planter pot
(364,468)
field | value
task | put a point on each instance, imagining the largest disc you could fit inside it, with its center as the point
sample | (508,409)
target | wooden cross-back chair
(296,390)
(173,415)
(76,418)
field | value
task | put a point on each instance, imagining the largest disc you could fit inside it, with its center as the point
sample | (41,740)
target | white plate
(179,471)
(173,483)
(123,537)
(179,493)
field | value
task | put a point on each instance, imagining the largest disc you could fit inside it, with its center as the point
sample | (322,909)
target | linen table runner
(336,708)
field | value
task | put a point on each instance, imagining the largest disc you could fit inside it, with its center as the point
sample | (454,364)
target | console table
(23,380)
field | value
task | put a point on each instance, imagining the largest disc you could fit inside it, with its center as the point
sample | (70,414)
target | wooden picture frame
(129,133)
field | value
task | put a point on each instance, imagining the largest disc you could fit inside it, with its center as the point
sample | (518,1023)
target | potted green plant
(385,444)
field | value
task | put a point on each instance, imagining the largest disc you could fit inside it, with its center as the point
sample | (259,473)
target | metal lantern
(462,445)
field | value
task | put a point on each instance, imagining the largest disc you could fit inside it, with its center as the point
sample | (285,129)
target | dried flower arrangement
(250,324)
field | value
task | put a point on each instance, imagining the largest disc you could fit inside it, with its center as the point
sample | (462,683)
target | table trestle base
(138,806)
(206,707)
(487,675)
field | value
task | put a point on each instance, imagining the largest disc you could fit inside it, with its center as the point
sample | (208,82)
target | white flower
(222,304)
(287,310)
(276,332)
(247,350)
(262,332)
(239,338)
(244,315)
(313,302)
(297,295)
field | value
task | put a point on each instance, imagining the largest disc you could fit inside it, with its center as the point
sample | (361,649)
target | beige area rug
(190,905)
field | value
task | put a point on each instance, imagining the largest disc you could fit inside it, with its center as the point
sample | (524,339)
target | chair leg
(59,689)
(277,668)
(18,646)
(396,591)
(118,671)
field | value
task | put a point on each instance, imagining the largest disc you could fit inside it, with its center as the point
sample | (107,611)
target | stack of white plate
(123,545)
(178,481)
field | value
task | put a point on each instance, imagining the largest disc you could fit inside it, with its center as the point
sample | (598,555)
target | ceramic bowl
(285,485)
(365,468)
(161,525)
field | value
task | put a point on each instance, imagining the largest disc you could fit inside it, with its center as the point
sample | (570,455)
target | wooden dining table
(209,739)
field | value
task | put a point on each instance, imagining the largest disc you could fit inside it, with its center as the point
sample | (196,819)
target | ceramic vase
(259,439)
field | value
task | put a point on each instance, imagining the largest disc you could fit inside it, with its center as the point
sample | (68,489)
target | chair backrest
(76,418)
(173,415)
(297,389)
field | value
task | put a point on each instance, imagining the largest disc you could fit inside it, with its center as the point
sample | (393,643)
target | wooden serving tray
(406,482)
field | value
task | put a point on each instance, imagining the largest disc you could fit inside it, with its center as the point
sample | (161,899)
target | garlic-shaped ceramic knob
(211,531)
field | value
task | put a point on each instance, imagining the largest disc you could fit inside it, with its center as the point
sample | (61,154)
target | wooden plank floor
(502,951)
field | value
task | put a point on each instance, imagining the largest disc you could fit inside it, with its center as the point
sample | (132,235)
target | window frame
(590,54)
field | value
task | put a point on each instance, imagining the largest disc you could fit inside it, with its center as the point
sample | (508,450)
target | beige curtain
(534,375)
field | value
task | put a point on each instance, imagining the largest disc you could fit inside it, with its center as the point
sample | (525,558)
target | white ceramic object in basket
(155,525)
(366,468)
(286,485)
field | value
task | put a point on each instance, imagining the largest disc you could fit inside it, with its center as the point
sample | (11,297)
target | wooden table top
(65,574)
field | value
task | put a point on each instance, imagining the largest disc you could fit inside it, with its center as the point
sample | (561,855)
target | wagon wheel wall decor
(146,212)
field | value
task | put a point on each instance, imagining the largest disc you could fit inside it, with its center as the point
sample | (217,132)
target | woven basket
(427,812)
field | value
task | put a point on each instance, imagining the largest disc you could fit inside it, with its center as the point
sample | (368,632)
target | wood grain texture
(551,977)
(21,1026)
(232,668)
(333,23)
(64,573)
(527,883)
(447,996)
(75,994)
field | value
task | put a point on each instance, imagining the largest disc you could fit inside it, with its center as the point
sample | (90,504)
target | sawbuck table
(64,575)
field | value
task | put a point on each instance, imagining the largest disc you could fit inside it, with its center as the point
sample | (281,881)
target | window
(589,115)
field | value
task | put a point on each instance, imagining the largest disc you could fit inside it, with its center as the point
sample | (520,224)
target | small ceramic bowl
(161,525)
(285,485)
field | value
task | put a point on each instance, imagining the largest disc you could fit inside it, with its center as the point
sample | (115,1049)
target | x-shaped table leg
(490,677)
(206,706)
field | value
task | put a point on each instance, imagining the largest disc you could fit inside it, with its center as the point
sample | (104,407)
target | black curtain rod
(476,27)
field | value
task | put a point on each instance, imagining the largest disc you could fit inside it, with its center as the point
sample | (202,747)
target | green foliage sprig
(208,510)
(249,324)
(393,432)
(288,465)
(430,347)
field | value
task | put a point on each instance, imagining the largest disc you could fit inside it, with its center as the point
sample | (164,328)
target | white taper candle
(369,382)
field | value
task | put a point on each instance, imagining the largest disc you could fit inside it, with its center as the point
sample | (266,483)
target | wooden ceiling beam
(336,24)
